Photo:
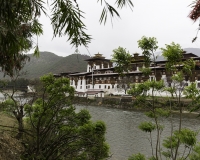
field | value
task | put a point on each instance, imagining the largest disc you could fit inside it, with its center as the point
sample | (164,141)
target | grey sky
(167,20)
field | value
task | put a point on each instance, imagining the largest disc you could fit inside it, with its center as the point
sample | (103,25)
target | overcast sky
(167,20)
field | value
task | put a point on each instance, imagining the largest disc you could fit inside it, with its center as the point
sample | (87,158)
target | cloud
(166,20)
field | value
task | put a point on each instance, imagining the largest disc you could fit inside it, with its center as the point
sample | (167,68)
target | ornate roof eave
(183,59)
(97,56)
(80,74)
(92,59)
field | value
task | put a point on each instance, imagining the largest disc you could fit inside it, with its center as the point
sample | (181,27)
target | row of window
(105,87)
(108,78)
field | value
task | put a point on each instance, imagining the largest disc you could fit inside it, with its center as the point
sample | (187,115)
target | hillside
(37,66)
(10,147)
(71,63)
(49,62)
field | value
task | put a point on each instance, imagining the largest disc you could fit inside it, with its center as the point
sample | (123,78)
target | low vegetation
(10,147)
(48,127)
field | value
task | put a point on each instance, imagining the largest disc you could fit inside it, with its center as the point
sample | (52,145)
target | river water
(123,134)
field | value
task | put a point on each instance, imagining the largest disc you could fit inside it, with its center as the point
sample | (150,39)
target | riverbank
(128,103)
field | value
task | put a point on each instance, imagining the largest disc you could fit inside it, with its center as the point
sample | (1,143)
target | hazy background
(167,20)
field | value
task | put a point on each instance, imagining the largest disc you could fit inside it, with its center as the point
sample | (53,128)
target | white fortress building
(101,79)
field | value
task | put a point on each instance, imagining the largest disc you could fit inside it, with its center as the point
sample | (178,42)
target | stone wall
(127,103)
(114,102)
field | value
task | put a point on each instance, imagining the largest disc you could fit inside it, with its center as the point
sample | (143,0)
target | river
(123,134)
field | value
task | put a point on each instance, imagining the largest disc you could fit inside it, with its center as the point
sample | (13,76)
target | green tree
(123,83)
(122,60)
(54,130)
(137,157)
(160,107)
(148,45)
(14,101)
(19,24)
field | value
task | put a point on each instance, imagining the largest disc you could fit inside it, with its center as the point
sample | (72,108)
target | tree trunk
(19,116)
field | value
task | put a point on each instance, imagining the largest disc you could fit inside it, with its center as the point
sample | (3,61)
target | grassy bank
(10,147)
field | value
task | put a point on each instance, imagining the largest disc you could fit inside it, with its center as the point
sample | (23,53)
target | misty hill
(49,62)
(38,66)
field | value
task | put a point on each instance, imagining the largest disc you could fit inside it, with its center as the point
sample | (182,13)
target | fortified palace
(101,78)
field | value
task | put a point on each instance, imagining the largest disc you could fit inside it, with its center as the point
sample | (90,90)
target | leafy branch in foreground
(109,9)
(20,23)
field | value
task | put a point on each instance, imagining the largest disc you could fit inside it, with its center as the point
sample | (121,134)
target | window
(81,82)
(88,87)
(99,86)
(80,87)
(105,86)
(198,85)
(112,85)
(108,87)
(71,82)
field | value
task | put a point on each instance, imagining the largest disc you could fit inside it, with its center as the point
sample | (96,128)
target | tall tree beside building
(159,107)
(122,60)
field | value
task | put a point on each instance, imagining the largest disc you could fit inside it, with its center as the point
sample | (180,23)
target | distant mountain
(49,62)
(188,50)
(38,66)
(193,50)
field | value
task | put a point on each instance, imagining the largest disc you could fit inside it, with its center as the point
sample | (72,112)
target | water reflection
(123,134)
